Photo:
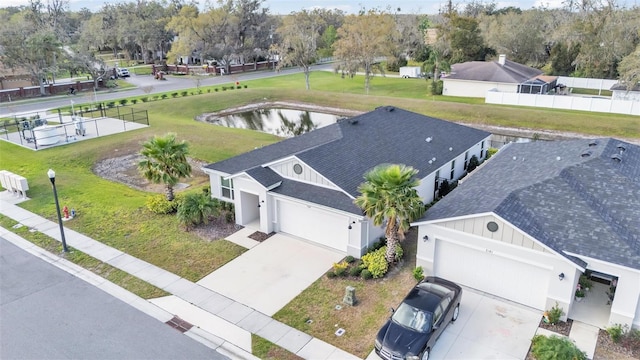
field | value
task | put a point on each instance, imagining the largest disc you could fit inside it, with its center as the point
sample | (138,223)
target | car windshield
(413,318)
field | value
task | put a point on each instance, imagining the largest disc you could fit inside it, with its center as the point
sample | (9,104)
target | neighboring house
(620,92)
(527,224)
(305,186)
(475,78)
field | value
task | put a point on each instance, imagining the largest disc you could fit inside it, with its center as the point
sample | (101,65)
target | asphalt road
(47,313)
(173,83)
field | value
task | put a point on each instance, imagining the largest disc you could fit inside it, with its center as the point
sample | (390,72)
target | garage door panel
(313,224)
(492,273)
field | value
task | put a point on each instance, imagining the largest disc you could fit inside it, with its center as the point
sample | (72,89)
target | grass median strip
(116,276)
(266,350)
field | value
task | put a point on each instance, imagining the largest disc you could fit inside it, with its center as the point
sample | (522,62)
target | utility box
(410,72)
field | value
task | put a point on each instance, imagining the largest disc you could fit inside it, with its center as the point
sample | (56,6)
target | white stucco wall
(467,88)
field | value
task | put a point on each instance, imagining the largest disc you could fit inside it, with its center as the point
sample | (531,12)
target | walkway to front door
(594,308)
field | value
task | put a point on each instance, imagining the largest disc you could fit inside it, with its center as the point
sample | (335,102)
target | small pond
(281,122)
(290,123)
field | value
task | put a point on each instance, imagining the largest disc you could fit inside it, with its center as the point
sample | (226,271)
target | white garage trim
(313,223)
(503,275)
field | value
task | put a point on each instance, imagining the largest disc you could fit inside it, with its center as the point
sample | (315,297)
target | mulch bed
(260,236)
(607,349)
(562,328)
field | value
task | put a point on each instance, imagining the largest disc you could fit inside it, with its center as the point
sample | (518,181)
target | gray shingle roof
(343,152)
(265,176)
(318,195)
(587,205)
(492,71)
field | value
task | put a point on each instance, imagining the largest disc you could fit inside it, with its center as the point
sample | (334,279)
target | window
(226,185)
(453,169)
(437,315)
(466,160)
(482,149)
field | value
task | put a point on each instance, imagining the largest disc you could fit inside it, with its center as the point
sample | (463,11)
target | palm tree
(389,194)
(196,208)
(165,161)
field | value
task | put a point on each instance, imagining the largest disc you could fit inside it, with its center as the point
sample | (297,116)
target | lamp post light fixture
(52,177)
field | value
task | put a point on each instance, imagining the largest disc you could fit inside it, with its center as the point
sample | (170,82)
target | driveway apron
(268,276)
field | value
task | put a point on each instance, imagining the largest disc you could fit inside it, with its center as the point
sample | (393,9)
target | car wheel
(456,312)
(425,355)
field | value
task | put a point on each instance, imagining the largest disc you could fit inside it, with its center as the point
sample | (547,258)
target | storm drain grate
(179,324)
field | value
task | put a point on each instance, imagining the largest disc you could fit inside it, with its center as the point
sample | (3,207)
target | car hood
(400,340)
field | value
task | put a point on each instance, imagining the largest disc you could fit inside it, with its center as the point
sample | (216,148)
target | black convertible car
(420,319)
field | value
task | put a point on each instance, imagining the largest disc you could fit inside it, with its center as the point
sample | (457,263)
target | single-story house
(535,217)
(305,186)
(475,78)
(621,92)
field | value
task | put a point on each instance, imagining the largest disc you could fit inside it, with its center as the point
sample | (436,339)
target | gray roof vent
(616,157)
(593,143)
(586,153)
(353,121)
(390,108)
(621,148)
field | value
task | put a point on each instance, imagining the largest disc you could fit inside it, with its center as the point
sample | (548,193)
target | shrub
(399,252)
(366,274)
(123,102)
(615,332)
(355,271)
(208,91)
(554,314)
(230,217)
(111,104)
(491,152)
(349,259)
(164,96)
(555,347)
(196,208)
(154,97)
(340,268)
(245,86)
(174,95)
(183,93)
(376,262)
(158,204)
(111,84)
(473,163)
(216,89)
(331,274)
(436,87)
(418,273)
(584,282)
(134,101)
(224,88)
(144,99)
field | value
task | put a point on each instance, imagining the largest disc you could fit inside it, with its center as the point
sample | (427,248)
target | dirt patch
(562,328)
(260,236)
(606,349)
(124,169)
(217,228)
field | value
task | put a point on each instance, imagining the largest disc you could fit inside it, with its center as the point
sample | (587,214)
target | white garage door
(314,224)
(520,282)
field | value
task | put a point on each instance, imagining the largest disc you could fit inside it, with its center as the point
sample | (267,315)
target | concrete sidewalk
(219,322)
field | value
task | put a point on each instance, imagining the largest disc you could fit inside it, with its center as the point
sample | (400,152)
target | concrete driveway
(268,276)
(487,328)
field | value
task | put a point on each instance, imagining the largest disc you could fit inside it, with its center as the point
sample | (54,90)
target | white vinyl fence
(583,103)
(586,83)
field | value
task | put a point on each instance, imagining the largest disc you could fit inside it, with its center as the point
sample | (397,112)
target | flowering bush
(376,262)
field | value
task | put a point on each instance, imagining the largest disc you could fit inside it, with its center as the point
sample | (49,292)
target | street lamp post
(52,177)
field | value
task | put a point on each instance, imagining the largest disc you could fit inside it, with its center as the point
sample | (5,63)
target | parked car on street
(123,72)
(412,330)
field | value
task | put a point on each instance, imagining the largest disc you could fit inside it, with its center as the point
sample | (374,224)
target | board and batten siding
(308,175)
(506,233)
